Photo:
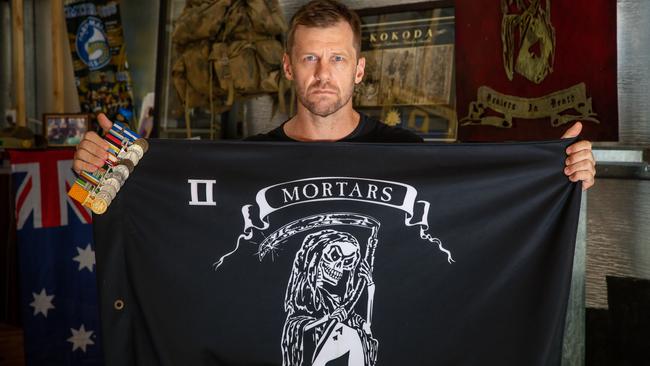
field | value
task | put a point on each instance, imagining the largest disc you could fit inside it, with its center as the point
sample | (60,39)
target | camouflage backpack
(228,49)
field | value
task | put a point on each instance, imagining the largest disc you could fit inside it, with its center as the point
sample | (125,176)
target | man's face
(324,67)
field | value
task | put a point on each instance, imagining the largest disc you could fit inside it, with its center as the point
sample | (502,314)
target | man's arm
(92,151)
(580,163)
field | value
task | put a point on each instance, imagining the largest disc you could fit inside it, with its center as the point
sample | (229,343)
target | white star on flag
(86,258)
(80,338)
(42,303)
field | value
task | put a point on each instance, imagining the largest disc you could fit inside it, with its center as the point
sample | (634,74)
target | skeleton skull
(338,257)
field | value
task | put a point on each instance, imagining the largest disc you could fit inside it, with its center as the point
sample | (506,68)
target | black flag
(351,254)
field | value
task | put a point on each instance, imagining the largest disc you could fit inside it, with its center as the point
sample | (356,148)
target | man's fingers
(92,152)
(89,157)
(79,165)
(578,146)
(99,150)
(580,164)
(580,156)
(584,165)
(573,131)
(586,184)
(584,176)
(104,122)
(83,162)
(95,139)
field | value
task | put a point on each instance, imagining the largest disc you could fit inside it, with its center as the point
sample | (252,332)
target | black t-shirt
(368,130)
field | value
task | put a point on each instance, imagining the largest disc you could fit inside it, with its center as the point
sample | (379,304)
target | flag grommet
(118,304)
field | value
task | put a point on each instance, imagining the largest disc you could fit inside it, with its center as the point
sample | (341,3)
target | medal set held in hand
(97,190)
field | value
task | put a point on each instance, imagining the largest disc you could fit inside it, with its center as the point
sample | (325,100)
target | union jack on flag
(56,261)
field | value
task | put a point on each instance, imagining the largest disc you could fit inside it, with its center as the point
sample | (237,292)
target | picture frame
(410,71)
(65,129)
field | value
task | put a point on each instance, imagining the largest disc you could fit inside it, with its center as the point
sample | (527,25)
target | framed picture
(409,75)
(65,129)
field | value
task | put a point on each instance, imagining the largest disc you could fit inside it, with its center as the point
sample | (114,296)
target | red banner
(528,69)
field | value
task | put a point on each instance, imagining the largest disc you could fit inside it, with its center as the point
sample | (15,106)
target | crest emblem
(92,44)
(528,39)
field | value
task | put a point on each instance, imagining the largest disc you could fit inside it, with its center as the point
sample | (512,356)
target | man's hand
(580,163)
(92,150)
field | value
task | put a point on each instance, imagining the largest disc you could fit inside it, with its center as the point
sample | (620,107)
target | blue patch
(92,44)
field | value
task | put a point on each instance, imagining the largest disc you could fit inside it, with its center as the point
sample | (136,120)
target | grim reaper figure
(330,283)
(328,276)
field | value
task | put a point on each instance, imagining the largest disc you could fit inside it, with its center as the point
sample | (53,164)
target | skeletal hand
(364,272)
(339,314)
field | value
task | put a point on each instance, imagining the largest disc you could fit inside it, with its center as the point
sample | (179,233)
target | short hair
(323,14)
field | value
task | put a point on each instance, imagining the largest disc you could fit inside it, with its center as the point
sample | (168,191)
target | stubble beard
(317,105)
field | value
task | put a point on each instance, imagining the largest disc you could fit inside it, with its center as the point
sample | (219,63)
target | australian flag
(57,262)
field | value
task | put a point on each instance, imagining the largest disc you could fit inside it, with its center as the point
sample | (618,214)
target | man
(323,59)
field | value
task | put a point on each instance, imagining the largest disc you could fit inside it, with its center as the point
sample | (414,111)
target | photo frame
(410,74)
(60,129)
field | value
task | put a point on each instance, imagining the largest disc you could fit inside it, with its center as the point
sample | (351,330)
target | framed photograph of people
(409,75)
(65,129)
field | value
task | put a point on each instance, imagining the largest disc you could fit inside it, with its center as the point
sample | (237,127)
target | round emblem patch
(92,45)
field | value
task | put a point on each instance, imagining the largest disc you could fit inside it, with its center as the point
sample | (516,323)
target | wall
(140,23)
(618,241)
(618,229)
(633,71)
(42,46)
(38,69)
(290,6)
(5,60)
